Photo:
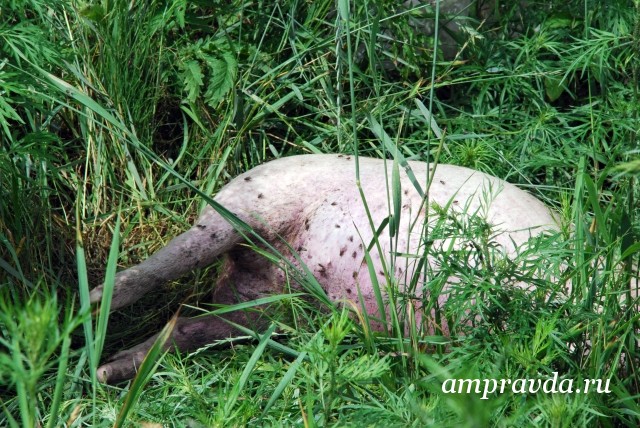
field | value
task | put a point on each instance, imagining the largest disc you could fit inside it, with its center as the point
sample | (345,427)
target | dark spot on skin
(360,245)
(201,226)
(334,204)
(260,196)
(306,227)
(343,250)
(380,272)
(442,182)
(322,271)
(213,235)
(247,179)
(348,291)
(348,157)
(405,206)
(337,226)
(354,275)
(340,156)
(406,192)
(354,254)
(351,239)
(455,202)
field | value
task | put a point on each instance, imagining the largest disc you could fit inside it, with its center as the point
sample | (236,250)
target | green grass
(117,119)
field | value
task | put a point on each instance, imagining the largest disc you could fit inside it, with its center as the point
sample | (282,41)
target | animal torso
(350,231)
(314,204)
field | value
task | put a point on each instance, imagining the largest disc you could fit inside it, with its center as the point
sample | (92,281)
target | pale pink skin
(313,202)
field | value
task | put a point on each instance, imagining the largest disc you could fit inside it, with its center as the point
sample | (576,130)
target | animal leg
(196,248)
(237,284)
(188,334)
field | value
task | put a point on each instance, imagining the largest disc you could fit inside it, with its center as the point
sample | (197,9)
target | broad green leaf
(192,79)
(223,72)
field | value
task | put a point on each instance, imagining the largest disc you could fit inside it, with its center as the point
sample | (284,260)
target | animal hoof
(123,366)
(95,295)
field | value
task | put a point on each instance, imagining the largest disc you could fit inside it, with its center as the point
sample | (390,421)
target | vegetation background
(114,114)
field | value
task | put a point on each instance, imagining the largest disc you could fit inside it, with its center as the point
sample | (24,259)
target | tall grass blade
(578,212)
(257,353)
(145,371)
(107,292)
(594,202)
(396,197)
(285,381)
(429,119)
(382,135)
(61,379)
(85,303)
(377,291)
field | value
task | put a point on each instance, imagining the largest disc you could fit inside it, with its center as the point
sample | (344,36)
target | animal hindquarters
(196,248)
(313,204)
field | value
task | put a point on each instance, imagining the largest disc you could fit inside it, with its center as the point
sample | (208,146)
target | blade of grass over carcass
(394,230)
(145,371)
(107,290)
(376,288)
(251,303)
(85,304)
(381,134)
(394,222)
(396,197)
(244,377)
(303,274)
(272,343)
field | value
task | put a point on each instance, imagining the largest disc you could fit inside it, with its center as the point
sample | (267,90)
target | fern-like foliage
(208,68)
